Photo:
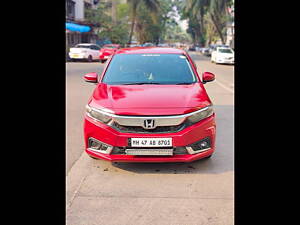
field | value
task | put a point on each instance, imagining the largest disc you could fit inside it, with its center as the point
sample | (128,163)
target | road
(201,192)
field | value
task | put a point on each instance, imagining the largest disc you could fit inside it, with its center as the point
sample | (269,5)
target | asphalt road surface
(201,192)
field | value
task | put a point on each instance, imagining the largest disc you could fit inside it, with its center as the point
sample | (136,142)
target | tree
(219,16)
(151,5)
(156,28)
(113,21)
(207,13)
(195,10)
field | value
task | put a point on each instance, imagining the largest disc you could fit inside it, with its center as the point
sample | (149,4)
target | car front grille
(137,129)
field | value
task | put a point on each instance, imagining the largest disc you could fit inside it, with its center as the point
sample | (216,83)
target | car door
(96,51)
(92,51)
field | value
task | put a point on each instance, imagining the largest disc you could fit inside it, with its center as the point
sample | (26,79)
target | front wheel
(103,60)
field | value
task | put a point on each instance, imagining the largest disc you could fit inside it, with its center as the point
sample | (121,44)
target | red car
(107,50)
(149,105)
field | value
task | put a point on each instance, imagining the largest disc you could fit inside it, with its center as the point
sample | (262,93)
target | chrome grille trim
(159,120)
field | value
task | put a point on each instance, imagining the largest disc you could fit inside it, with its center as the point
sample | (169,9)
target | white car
(222,55)
(85,51)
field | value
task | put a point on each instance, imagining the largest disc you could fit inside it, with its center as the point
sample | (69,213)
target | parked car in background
(192,48)
(162,45)
(150,105)
(211,49)
(222,55)
(205,51)
(85,51)
(148,44)
(214,47)
(108,50)
(133,45)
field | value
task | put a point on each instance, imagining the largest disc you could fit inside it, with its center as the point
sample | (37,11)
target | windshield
(82,46)
(149,69)
(225,50)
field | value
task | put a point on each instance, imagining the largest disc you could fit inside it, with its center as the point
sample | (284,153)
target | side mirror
(207,77)
(91,77)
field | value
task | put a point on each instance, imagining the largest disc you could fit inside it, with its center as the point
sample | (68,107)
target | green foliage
(152,6)
(211,15)
(147,20)
(116,33)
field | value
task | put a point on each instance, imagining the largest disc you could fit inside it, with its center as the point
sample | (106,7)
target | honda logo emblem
(149,124)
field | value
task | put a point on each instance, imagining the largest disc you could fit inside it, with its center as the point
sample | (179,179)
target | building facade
(75,13)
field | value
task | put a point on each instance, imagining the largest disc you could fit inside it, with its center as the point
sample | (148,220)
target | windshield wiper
(140,83)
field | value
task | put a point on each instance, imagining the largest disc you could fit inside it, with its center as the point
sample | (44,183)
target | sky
(182,23)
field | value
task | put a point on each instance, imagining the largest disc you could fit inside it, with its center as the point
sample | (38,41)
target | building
(75,14)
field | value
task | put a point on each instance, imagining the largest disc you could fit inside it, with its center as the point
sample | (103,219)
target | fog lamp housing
(199,146)
(98,146)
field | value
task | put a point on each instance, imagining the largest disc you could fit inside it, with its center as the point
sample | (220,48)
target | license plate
(75,55)
(150,142)
(148,151)
(106,57)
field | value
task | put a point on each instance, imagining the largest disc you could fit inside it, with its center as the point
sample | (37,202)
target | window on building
(87,6)
(70,9)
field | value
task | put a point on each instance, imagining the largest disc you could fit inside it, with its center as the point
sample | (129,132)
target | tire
(103,60)
(90,58)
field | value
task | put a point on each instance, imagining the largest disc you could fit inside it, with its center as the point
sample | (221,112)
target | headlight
(98,114)
(202,114)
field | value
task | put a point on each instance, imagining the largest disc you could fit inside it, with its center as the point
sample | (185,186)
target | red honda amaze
(149,105)
(107,50)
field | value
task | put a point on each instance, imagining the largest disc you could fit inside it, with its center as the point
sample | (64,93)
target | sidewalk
(164,194)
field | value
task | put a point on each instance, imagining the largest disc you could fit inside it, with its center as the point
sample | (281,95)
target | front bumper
(78,55)
(203,129)
(225,61)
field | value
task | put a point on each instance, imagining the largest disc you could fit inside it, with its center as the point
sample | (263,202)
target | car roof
(149,50)
(86,44)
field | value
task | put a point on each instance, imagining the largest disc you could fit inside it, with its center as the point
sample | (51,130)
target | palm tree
(216,9)
(195,10)
(218,14)
(152,5)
